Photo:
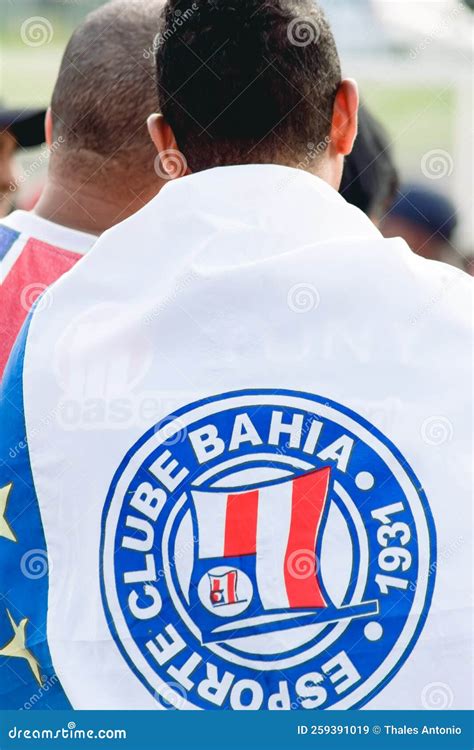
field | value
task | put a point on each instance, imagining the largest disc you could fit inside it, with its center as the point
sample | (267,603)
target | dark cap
(26,125)
(425,208)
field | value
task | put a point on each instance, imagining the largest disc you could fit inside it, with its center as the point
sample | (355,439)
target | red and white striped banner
(279,524)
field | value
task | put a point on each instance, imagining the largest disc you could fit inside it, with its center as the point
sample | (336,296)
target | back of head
(370,178)
(104,92)
(246,81)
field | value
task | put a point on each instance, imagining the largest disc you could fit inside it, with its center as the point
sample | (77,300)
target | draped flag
(211,500)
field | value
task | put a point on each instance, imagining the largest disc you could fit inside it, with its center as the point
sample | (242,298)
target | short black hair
(106,89)
(370,179)
(246,81)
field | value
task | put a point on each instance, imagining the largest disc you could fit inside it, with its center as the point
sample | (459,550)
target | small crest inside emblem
(225,591)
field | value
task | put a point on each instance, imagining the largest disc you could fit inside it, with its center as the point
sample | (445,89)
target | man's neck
(86,207)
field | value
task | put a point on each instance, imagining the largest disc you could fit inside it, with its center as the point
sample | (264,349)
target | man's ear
(344,118)
(170,162)
(48,127)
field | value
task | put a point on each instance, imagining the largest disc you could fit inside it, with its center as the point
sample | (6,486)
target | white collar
(272,198)
(26,222)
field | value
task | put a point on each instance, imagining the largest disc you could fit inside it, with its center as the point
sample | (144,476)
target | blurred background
(413,61)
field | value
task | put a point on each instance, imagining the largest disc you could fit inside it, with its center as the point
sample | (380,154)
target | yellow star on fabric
(16,647)
(5,529)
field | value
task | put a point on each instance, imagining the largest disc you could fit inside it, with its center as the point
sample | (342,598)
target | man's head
(370,179)
(246,81)
(103,95)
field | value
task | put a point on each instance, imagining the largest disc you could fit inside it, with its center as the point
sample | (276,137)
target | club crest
(266,550)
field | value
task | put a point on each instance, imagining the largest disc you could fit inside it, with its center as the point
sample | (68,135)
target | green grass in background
(28,74)
(417,119)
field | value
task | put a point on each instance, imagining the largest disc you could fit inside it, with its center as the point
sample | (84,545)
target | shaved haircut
(106,89)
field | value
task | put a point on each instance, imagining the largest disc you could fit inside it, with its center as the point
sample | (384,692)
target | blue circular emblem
(266,550)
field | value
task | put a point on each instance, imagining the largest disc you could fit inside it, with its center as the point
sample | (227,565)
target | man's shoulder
(30,224)
(451,289)
(411,278)
(32,257)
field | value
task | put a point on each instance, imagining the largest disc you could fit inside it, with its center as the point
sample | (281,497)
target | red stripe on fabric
(37,266)
(308,500)
(231,587)
(241,524)
(214,590)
